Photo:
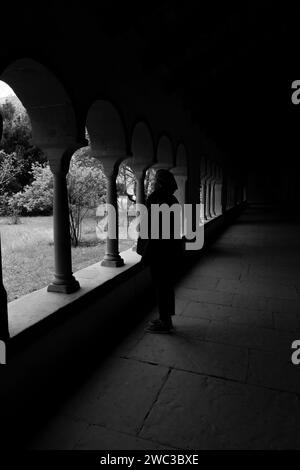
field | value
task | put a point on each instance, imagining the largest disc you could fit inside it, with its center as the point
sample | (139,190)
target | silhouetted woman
(162,255)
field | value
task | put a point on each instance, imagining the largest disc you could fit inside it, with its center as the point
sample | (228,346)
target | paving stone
(131,340)
(113,398)
(135,336)
(249,301)
(189,328)
(213,297)
(186,327)
(289,321)
(286,314)
(283,306)
(101,438)
(200,282)
(269,273)
(224,379)
(180,305)
(209,413)
(220,271)
(232,314)
(189,353)
(266,339)
(261,288)
(274,370)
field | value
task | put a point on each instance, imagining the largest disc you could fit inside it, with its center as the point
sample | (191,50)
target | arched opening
(164,153)
(143,157)
(108,144)
(25,202)
(164,158)
(39,126)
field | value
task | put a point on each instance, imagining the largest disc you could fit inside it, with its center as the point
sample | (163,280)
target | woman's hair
(165,180)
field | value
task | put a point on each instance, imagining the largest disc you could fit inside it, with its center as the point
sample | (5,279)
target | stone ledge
(34,314)
(33,308)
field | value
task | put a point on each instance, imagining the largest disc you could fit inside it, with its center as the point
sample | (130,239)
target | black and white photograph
(149,230)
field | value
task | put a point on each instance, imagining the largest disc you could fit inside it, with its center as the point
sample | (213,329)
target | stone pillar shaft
(140,189)
(208,199)
(214,199)
(112,257)
(64,280)
(206,214)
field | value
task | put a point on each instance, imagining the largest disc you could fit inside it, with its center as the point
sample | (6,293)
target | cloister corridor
(224,379)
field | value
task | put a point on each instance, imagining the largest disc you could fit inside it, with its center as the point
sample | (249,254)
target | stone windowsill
(32,308)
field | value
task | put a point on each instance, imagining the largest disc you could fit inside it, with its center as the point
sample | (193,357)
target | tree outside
(26,205)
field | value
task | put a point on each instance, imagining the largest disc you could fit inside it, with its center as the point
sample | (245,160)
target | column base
(112,262)
(67,288)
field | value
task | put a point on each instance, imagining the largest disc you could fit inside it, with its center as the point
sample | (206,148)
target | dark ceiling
(232,63)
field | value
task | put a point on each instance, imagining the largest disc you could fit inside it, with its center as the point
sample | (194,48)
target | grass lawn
(28,253)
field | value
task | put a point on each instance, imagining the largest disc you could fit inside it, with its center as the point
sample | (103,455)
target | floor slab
(224,378)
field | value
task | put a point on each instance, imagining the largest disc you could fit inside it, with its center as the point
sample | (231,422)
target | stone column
(63,281)
(213,202)
(214,185)
(205,199)
(112,258)
(4,331)
(140,188)
(219,191)
(208,191)
(211,192)
(202,200)
(224,192)
(208,198)
(140,191)
(180,194)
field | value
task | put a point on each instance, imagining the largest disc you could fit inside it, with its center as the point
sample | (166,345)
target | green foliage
(126,183)
(86,190)
(149,181)
(10,169)
(16,140)
(26,181)
(37,197)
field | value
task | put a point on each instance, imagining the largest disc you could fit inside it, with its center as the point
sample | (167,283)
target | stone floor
(224,379)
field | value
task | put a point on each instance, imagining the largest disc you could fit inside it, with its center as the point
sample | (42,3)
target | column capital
(110,163)
(59,157)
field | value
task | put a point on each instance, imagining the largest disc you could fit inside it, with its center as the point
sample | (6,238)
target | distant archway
(164,154)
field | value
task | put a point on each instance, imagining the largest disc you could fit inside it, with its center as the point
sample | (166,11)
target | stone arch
(142,145)
(46,101)
(181,158)
(164,153)
(108,143)
(180,173)
(106,132)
